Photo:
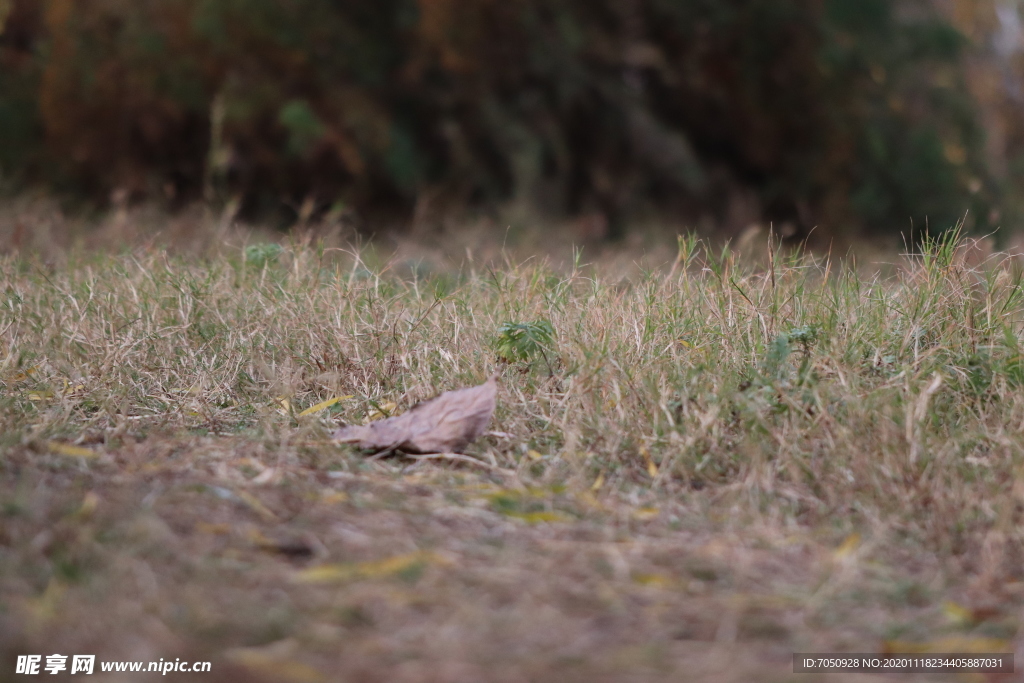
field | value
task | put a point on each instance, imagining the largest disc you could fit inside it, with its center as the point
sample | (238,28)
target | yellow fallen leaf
(383,411)
(598,483)
(958,614)
(481,488)
(655,580)
(646,513)
(39,395)
(536,517)
(394,565)
(24,375)
(685,344)
(327,573)
(70,389)
(89,505)
(759,601)
(71,451)
(589,499)
(338,573)
(254,503)
(323,405)
(213,529)
(286,405)
(46,607)
(331,497)
(652,469)
(533,455)
(257,537)
(847,547)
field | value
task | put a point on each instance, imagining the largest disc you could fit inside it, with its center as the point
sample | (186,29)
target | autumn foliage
(818,111)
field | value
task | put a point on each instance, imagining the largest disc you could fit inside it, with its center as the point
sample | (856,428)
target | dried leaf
(445,424)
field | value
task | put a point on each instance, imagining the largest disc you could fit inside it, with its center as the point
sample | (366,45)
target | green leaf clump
(524,341)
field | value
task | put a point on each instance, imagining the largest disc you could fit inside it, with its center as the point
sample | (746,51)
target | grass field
(691,474)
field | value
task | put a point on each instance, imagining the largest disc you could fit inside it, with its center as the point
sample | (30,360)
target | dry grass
(703,470)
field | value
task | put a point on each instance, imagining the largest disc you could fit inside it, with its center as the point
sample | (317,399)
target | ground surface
(697,474)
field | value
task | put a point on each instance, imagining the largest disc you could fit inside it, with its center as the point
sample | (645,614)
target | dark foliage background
(835,113)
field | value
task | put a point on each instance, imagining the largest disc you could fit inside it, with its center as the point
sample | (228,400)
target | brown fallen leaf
(444,424)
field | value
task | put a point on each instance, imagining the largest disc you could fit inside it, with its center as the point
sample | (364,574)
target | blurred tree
(995,68)
(21,134)
(824,111)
